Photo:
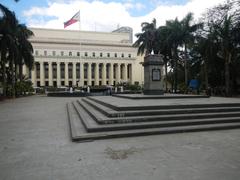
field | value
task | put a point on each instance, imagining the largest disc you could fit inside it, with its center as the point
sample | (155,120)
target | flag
(74,19)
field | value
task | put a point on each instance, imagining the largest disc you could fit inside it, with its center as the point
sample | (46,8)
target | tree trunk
(166,82)
(206,74)
(185,66)
(12,78)
(227,74)
(175,68)
(4,80)
(20,67)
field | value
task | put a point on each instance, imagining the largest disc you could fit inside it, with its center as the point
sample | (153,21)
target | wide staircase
(91,118)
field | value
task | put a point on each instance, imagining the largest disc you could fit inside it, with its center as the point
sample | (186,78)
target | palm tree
(174,39)
(25,48)
(146,41)
(14,47)
(8,49)
(225,32)
(188,38)
(164,47)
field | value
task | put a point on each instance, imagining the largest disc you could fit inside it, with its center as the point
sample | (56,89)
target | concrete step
(91,125)
(152,131)
(107,111)
(75,124)
(165,96)
(113,106)
(102,119)
(87,123)
(113,113)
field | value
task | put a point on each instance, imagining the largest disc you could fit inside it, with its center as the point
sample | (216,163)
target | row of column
(89,74)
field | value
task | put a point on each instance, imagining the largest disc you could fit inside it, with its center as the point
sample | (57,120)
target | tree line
(208,50)
(15,51)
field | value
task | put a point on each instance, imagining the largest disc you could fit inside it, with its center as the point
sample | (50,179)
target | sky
(104,15)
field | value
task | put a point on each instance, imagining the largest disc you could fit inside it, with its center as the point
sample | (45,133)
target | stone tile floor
(35,144)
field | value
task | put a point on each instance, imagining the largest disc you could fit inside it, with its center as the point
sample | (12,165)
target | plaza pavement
(35,144)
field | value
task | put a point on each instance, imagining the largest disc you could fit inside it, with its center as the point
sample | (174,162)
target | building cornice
(82,42)
(86,58)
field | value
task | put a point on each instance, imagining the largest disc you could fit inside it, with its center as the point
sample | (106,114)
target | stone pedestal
(153,75)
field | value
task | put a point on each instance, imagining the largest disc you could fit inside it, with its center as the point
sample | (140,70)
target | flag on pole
(74,19)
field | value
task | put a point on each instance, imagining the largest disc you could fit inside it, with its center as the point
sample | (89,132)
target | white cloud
(100,16)
(130,5)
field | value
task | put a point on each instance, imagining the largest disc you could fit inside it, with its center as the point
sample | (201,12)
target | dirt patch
(120,154)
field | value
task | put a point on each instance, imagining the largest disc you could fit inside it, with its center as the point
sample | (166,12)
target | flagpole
(80,53)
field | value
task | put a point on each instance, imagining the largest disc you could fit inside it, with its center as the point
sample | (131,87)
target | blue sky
(104,15)
(149,5)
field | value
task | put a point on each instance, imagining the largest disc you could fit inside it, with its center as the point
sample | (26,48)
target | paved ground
(35,144)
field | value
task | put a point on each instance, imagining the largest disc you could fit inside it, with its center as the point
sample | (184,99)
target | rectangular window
(45,53)
(122,55)
(86,54)
(108,54)
(129,55)
(78,53)
(115,55)
(62,53)
(36,53)
(93,54)
(54,53)
(100,54)
(70,53)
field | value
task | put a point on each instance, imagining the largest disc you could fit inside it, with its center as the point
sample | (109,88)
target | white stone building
(78,58)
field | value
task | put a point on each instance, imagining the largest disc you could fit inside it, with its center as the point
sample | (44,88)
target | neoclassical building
(78,58)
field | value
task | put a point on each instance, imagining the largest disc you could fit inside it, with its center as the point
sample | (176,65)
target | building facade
(83,58)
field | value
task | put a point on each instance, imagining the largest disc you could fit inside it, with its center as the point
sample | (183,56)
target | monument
(153,75)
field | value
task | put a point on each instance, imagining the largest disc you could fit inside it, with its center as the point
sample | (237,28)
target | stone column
(96,82)
(58,74)
(74,74)
(81,74)
(89,75)
(66,73)
(24,70)
(50,74)
(125,72)
(130,74)
(27,72)
(153,80)
(104,74)
(118,73)
(42,77)
(111,74)
(33,75)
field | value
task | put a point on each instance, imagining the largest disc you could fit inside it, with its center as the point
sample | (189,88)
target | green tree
(188,36)
(174,39)
(15,48)
(146,41)
(225,22)
(8,49)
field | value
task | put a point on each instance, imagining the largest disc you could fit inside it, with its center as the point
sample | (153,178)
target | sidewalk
(35,144)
